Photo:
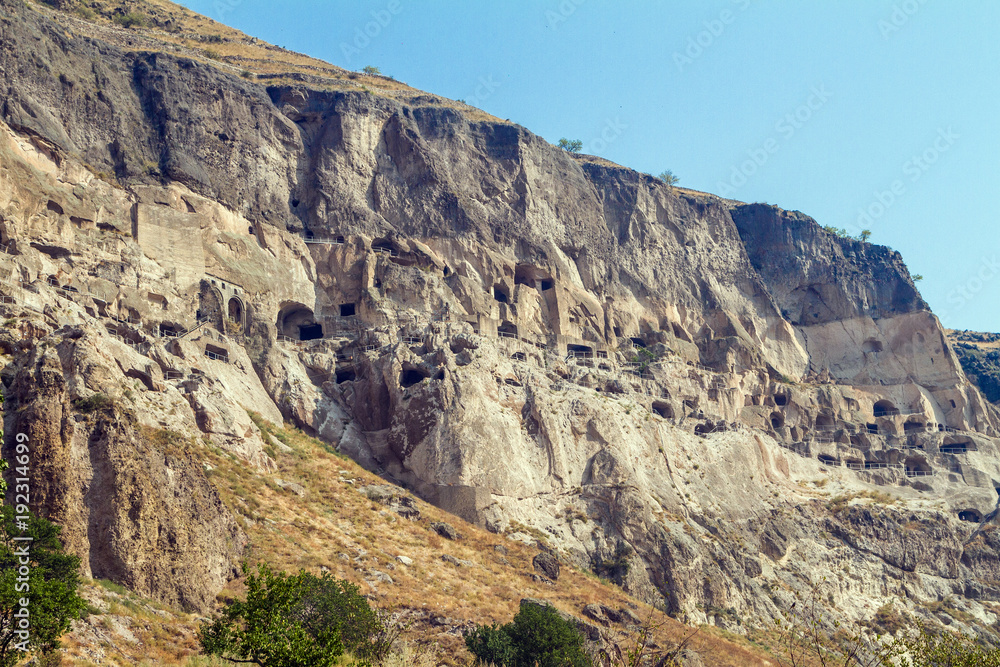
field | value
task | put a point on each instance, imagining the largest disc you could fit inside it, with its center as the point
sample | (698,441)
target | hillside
(233,277)
(979,354)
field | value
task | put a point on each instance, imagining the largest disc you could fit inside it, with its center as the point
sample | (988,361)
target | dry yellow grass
(336,526)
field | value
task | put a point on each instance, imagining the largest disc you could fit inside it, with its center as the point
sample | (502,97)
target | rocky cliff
(720,405)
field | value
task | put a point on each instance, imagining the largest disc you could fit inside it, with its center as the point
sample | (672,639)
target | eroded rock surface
(718,405)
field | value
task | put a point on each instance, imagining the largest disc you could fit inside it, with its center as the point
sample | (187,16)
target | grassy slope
(335,526)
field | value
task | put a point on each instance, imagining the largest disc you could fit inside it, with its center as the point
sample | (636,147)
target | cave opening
(310,331)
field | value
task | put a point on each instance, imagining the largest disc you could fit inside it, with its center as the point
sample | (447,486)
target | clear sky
(864,114)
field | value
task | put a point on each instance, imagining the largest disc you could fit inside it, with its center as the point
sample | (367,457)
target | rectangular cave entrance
(347,309)
(310,331)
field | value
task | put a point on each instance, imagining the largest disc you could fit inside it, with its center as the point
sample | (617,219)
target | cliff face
(659,379)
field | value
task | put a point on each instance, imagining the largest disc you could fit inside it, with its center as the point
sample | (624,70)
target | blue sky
(863,114)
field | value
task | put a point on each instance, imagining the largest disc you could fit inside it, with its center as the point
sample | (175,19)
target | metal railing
(217,357)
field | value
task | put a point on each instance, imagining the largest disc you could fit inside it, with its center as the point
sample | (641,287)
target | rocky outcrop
(717,405)
(132,499)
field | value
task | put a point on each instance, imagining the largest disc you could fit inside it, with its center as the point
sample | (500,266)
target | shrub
(298,619)
(570,145)
(371,70)
(538,636)
(491,645)
(52,580)
(668,178)
(129,19)
(93,403)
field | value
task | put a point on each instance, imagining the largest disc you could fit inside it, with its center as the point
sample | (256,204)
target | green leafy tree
(49,585)
(298,619)
(371,70)
(865,235)
(538,636)
(669,178)
(570,145)
(491,645)
(917,277)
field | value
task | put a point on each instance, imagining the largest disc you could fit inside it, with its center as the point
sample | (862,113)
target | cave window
(953,404)
(507,330)
(447,271)
(824,422)
(871,345)
(309,235)
(410,376)
(235,310)
(872,428)
(346,375)
(781,399)
(777,420)
(385,247)
(828,460)
(217,353)
(250,230)
(310,331)
(346,309)
(911,426)
(340,240)
(638,342)
(971,516)
(519,356)
(618,331)
(582,351)
(500,294)
(663,409)
(547,285)
(955,448)
(168,330)
(884,408)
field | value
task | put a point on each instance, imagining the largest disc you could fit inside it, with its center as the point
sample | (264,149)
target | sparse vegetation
(130,20)
(570,145)
(93,403)
(299,619)
(538,636)
(33,624)
(668,178)
(371,70)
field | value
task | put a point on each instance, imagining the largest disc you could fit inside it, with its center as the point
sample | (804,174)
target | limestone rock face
(717,405)
(139,508)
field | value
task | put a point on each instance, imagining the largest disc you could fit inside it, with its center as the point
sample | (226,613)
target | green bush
(299,619)
(668,178)
(52,580)
(538,636)
(130,19)
(491,645)
(570,145)
(93,403)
